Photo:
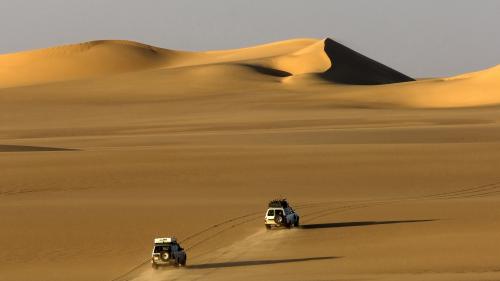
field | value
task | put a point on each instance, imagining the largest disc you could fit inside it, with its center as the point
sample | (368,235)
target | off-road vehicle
(279,213)
(167,251)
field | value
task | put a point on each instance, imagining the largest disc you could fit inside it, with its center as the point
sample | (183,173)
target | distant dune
(90,59)
(350,67)
(296,63)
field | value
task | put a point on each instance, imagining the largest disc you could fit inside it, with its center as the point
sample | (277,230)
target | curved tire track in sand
(249,217)
(482,190)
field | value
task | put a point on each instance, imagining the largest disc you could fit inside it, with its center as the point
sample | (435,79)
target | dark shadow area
(268,71)
(356,223)
(351,67)
(25,148)
(255,262)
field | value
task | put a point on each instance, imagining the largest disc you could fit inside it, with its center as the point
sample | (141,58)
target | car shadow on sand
(358,223)
(27,148)
(255,262)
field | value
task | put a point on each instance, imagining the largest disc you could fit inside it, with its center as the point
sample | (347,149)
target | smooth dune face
(92,59)
(108,144)
(302,65)
(107,57)
(310,59)
(350,67)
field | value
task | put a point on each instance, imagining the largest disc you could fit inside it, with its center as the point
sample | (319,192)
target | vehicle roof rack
(278,203)
(165,240)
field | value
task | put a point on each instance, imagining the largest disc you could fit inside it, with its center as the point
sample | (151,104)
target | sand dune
(468,90)
(108,144)
(350,67)
(300,65)
(90,59)
(106,57)
(310,59)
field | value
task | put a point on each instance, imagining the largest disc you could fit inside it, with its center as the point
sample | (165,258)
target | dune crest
(310,59)
(319,69)
(333,61)
(351,67)
(79,61)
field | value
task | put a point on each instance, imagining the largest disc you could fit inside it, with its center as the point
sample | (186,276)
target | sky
(421,38)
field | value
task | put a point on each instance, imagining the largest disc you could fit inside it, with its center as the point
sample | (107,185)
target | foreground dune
(106,145)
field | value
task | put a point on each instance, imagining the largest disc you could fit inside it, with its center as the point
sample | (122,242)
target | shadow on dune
(351,67)
(356,223)
(255,262)
(268,71)
(25,148)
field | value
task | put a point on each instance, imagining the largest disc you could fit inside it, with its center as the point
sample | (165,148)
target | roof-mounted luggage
(278,203)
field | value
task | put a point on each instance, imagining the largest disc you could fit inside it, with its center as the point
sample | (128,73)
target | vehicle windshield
(270,212)
(163,248)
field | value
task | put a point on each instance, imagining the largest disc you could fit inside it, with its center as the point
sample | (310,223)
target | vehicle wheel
(154,266)
(296,222)
(268,226)
(278,220)
(184,261)
(164,256)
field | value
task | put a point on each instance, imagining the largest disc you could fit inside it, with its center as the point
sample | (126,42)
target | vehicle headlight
(155,257)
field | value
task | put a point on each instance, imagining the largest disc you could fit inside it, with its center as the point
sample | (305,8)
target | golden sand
(108,144)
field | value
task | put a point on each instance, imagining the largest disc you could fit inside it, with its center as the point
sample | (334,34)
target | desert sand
(108,144)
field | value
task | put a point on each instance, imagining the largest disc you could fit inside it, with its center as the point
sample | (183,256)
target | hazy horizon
(419,38)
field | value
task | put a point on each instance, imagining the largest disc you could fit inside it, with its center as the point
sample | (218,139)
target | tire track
(40,190)
(190,237)
(250,217)
(217,225)
(483,190)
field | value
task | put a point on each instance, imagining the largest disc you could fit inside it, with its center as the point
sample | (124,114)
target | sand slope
(323,67)
(350,67)
(106,57)
(90,59)
(468,90)
(106,145)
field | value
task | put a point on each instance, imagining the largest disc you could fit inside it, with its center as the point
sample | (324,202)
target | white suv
(279,213)
(167,251)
